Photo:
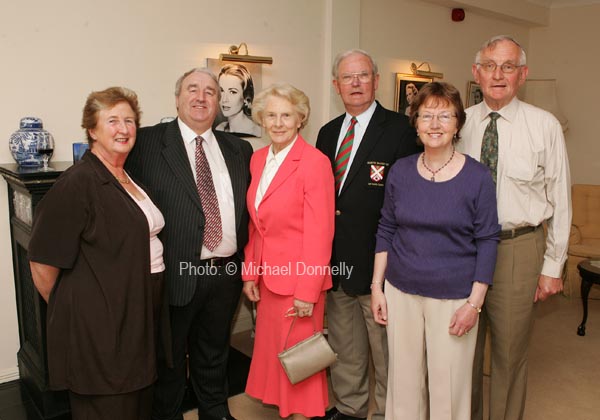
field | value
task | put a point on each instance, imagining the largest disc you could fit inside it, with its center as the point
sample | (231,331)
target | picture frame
(403,80)
(474,94)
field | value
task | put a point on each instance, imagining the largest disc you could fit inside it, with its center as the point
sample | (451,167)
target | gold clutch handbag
(306,357)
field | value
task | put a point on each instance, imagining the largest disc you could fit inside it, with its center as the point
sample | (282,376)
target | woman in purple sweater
(436,252)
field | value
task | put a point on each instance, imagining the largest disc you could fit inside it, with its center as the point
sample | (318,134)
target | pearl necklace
(434,173)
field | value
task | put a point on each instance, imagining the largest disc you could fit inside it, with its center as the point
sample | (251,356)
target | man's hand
(251,291)
(547,286)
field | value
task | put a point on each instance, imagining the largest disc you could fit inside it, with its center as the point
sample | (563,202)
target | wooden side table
(590,274)
(26,187)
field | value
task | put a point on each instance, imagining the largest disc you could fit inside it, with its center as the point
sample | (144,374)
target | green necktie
(489,145)
(343,155)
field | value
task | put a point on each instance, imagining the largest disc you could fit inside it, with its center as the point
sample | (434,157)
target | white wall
(55,53)
(567,50)
(398,32)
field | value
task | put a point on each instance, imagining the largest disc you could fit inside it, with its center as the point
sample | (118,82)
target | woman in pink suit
(291,205)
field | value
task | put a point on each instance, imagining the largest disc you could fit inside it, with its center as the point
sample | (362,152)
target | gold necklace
(434,173)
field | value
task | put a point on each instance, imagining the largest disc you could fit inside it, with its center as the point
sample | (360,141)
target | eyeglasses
(490,66)
(442,118)
(347,78)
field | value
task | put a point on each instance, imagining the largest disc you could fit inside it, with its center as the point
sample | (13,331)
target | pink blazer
(291,233)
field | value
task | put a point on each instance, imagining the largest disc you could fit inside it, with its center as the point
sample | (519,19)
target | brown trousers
(509,313)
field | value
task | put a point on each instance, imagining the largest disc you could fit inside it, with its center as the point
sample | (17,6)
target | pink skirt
(267,380)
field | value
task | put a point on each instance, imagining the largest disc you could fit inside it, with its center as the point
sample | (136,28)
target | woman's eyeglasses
(442,118)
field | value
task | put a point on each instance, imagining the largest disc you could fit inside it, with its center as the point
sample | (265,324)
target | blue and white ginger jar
(23,142)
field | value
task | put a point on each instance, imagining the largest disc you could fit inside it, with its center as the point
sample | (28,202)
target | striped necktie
(489,145)
(343,155)
(213,229)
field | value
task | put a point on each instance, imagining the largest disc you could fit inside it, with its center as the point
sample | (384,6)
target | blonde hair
(295,96)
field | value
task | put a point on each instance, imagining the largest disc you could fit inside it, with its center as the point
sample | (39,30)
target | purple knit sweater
(440,236)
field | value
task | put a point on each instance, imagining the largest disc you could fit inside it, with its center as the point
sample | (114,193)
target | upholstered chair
(585,235)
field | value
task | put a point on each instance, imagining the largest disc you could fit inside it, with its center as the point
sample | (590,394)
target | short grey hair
(345,54)
(490,43)
(204,70)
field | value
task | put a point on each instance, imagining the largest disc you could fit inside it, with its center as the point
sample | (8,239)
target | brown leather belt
(218,261)
(513,233)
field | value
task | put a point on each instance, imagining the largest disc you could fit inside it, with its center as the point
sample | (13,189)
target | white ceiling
(562,3)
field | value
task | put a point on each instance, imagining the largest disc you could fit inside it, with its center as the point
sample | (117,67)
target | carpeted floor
(564,371)
(564,368)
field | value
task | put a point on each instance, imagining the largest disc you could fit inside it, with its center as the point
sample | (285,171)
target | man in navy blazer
(380,138)
(204,284)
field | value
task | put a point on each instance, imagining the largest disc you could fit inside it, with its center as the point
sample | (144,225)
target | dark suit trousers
(201,329)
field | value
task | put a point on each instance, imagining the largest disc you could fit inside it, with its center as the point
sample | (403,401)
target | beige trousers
(430,370)
(509,313)
(355,337)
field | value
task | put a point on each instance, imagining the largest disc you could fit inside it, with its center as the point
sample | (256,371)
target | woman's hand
(378,302)
(379,306)
(303,308)
(463,320)
(251,291)
(466,316)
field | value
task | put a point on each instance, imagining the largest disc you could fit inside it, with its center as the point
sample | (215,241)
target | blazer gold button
(337,212)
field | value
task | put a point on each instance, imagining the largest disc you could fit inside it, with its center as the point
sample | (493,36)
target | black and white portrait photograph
(238,83)
(474,94)
(407,87)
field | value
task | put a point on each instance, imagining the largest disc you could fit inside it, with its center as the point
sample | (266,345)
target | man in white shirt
(198,178)
(525,150)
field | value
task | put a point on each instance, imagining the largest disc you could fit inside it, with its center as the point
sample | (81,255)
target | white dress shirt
(359,132)
(272,165)
(223,188)
(534,182)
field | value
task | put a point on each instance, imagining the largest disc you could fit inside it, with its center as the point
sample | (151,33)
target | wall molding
(8,375)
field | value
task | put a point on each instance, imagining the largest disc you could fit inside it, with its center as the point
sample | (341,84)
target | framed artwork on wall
(239,82)
(407,87)
(474,94)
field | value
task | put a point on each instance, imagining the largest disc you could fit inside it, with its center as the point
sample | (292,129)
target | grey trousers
(355,337)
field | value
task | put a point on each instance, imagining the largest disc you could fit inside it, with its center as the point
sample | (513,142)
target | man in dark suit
(198,178)
(377,138)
